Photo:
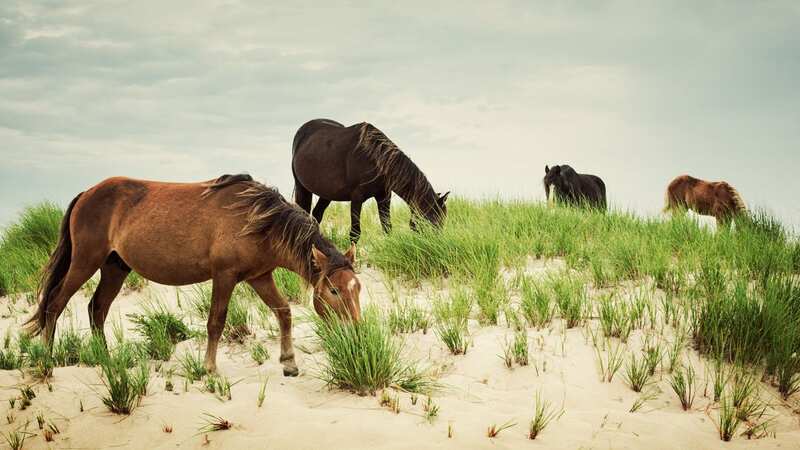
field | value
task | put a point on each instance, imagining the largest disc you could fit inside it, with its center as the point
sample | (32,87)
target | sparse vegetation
(543,414)
(683,383)
(452,320)
(125,387)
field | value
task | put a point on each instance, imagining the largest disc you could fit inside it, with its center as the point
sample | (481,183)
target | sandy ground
(301,413)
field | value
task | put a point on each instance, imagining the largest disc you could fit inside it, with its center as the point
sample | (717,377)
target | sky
(481,95)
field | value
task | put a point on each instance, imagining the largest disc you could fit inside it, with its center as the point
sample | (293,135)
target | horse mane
(738,201)
(402,175)
(286,225)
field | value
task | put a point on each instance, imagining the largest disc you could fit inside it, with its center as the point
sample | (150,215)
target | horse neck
(298,260)
(416,191)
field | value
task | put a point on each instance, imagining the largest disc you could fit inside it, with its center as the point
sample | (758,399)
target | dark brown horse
(356,163)
(577,189)
(229,230)
(710,198)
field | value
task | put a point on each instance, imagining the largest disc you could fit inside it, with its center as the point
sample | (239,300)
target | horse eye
(334,291)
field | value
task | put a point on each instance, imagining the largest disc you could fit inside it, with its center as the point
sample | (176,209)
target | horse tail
(53,273)
(667,200)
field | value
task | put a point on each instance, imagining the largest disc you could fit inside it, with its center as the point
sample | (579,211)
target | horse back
(326,161)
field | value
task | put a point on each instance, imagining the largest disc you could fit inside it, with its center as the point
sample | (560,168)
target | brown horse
(228,230)
(356,163)
(710,198)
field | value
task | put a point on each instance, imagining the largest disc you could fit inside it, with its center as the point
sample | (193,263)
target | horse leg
(319,208)
(302,196)
(112,277)
(266,289)
(80,270)
(385,212)
(221,291)
(355,219)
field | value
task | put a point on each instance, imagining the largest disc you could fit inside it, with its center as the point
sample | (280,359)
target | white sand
(301,413)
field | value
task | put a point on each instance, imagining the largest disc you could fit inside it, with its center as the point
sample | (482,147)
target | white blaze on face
(351,285)
(551,198)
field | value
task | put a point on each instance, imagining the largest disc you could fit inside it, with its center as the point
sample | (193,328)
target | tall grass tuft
(364,357)
(25,247)
(125,387)
(544,413)
(451,320)
(535,303)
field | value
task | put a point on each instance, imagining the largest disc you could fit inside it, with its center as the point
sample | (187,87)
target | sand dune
(302,413)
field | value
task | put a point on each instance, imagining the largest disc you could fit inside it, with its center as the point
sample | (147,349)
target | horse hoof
(290,371)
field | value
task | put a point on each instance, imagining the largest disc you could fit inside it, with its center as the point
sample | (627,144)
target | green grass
(364,356)
(544,413)
(25,247)
(735,294)
(407,317)
(124,387)
(161,328)
(451,320)
(237,322)
(536,304)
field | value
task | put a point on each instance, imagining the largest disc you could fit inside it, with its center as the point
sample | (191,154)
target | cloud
(186,90)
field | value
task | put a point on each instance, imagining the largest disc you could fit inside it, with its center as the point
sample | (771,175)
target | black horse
(354,164)
(577,189)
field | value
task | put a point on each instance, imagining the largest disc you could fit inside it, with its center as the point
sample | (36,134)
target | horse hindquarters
(79,254)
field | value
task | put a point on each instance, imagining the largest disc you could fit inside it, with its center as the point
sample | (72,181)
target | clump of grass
(637,373)
(67,348)
(93,350)
(516,350)
(161,328)
(571,299)
(544,413)
(262,392)
(721,376)
(491,296)
(535,303)
(16,439)
(682,382)
(213,423)
(728,419)
(643,399)
(259,353)
(39,360)
(289,283)
(135,282)
(451,318)
(25,247)
(10,359)
(237,321)
(192,365)
(364,356)
(431,410)
(392,402)
(406,317)
(125,387)
(615,318)
(495,430)
(610,362)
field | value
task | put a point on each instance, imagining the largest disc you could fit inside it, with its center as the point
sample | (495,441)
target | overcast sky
(481,95)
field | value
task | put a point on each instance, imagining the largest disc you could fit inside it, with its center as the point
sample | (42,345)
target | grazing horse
(229,230)
(576,189)
(710,198)
(354,164)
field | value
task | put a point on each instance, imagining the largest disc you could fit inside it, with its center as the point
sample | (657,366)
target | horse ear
(320,260)
(443,198)
(351,253)
(546,169)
